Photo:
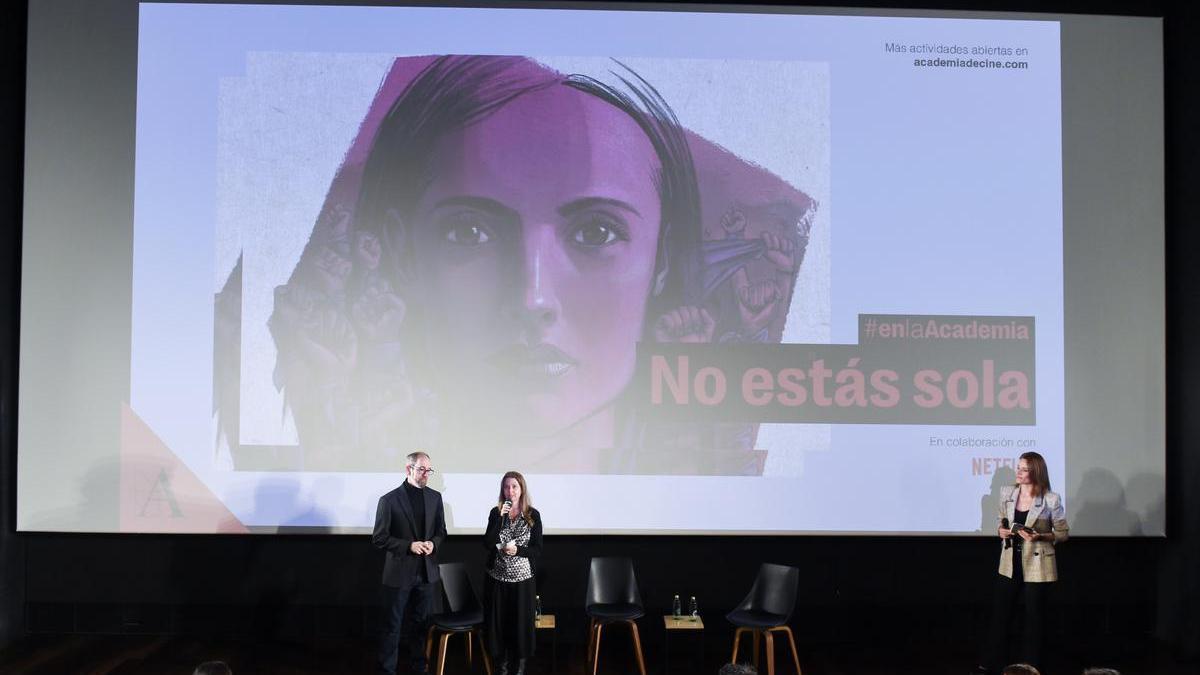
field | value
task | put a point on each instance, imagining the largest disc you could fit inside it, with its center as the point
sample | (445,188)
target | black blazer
(492,537)
(395,531)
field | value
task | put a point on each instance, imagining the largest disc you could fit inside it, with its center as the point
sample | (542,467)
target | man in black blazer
(410,525)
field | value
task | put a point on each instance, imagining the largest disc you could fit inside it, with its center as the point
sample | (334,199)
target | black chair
(465,616)
(766,611)
(612,597)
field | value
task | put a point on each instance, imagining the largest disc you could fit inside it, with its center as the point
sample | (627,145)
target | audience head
(737,669)
(212,668)
(1020,669)
(1101,671)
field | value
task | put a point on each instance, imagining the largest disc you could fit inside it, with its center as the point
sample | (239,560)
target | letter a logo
(161,493)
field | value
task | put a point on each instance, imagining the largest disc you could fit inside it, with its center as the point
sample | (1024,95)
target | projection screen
(707,272)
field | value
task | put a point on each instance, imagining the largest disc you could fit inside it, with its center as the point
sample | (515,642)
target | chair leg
(487,660)
(596,659)
(792,642)
(429,644)
(757,646)
(770,653)
(470,656)
(591,638)
(637,646)
(737,637)
(442,654)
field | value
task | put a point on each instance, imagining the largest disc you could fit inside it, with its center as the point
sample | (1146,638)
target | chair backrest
(460,594)
(774,590)
(612,580)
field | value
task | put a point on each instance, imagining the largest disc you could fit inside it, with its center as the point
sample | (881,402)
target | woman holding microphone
(1030,521)
(514,540)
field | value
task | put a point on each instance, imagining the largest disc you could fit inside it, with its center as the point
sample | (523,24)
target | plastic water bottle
(694,608)
(537,606)
(676,609)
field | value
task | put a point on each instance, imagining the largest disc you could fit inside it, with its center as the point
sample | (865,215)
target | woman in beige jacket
(1031,521)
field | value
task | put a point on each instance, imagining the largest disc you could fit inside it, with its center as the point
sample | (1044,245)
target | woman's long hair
(526,502)
(1038,473)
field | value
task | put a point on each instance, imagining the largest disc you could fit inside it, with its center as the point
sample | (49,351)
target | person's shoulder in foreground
(212,668)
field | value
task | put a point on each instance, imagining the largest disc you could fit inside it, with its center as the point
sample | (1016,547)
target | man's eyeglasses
(422,470)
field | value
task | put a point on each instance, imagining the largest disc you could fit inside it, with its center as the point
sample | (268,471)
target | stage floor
(926,655)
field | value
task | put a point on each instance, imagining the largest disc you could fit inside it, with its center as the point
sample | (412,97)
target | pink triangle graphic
(159,493)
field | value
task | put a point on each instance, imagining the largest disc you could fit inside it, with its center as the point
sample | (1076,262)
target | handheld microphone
(1004,524)
(508,503)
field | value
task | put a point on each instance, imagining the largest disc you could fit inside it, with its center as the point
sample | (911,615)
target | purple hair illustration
(497,241)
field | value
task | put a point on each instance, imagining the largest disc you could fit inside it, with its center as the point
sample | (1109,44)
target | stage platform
(927,654)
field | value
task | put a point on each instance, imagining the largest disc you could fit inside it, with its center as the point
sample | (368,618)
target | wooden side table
(546,622)
(683,625)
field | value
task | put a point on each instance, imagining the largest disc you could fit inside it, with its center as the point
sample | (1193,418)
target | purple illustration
(497,240)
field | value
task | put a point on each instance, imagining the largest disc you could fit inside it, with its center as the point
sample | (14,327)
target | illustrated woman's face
(534,248)
(512,490)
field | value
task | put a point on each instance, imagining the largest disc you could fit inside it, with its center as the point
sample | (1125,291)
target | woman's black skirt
(508,616)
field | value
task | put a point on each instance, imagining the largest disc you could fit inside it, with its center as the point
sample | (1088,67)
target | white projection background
(690,273)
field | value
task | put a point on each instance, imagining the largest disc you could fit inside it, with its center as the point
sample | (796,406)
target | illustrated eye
(598,232)
(467,230)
